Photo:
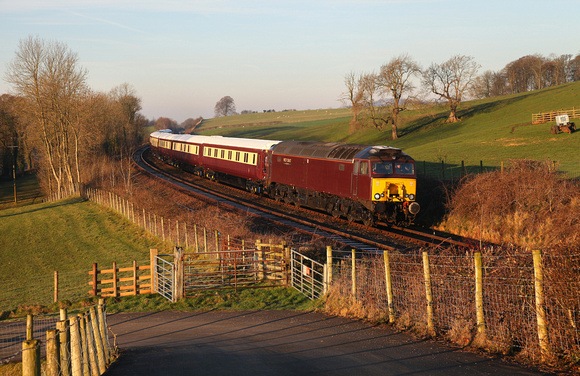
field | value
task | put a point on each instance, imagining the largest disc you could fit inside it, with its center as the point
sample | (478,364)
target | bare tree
(373,108)
(225,107)
(354,98)
(48,78)
(395,80)
(451,80)
(536,63)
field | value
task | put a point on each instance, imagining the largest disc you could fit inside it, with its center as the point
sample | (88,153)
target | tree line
(55,123)
(377,99)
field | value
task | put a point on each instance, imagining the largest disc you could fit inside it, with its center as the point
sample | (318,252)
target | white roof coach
(166,134)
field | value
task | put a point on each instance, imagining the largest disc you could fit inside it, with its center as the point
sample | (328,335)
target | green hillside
(492,130)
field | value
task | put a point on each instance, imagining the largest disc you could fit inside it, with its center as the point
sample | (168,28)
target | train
(362,183)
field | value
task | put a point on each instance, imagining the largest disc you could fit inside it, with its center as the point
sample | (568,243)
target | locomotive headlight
(411,196)
(377,196)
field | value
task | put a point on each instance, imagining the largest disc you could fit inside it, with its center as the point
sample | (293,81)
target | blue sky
(183,56)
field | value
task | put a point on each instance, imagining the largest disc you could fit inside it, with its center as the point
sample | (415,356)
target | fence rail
(544,117)
(122,281)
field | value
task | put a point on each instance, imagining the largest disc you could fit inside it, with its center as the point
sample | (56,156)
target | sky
(181,57)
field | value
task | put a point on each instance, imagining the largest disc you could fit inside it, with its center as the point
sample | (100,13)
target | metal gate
(164,277)
(233,269)
(308,276)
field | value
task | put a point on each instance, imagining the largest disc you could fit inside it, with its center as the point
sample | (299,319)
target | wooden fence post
(75,348)
(91,345)
(29,327)
(260,265)
(540,311)
(135,277)
(329,267)
(102,328)
(153,268)
(63,339)
(217,242)
(31,358)
(479,293)
(101,361)
(389,286)
(179,277)
(196,240)
(428,293)
(52,353)
(115,293)
(55,286)
(353,273)
(84,348)
(95,280)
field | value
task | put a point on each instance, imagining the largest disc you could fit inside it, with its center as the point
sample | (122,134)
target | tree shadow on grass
(55,204)
(438,120)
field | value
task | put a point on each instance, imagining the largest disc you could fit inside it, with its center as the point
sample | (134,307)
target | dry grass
(529,205)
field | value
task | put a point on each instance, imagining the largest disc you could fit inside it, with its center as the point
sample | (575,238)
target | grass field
(67,236)
(492,130)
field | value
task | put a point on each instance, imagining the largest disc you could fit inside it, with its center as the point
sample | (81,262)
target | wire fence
(455,170)
(516,305)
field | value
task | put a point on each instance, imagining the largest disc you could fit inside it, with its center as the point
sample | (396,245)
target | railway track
(340,231)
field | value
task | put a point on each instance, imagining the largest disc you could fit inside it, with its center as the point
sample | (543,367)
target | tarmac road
(278,343)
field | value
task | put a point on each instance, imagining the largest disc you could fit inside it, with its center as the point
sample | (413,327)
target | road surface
(278,343)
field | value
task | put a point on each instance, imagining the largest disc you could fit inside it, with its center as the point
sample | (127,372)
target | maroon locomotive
(360,182)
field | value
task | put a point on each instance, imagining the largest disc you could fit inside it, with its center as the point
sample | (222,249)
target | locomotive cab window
(382,168)
(404,168)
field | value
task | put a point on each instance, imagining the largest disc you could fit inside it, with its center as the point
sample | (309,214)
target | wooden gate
(234,267)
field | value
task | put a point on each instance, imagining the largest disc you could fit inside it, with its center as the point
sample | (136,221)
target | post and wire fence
(516,302)
(71,344)
(450,170)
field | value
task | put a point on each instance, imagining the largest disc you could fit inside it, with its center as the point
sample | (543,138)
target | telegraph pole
(14,154)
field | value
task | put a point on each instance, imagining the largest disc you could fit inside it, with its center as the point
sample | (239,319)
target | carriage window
(223,154)
(237,156)
(245,157)
(215,151)
(230,155)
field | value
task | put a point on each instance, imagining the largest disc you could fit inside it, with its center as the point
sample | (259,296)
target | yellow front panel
(394,189)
